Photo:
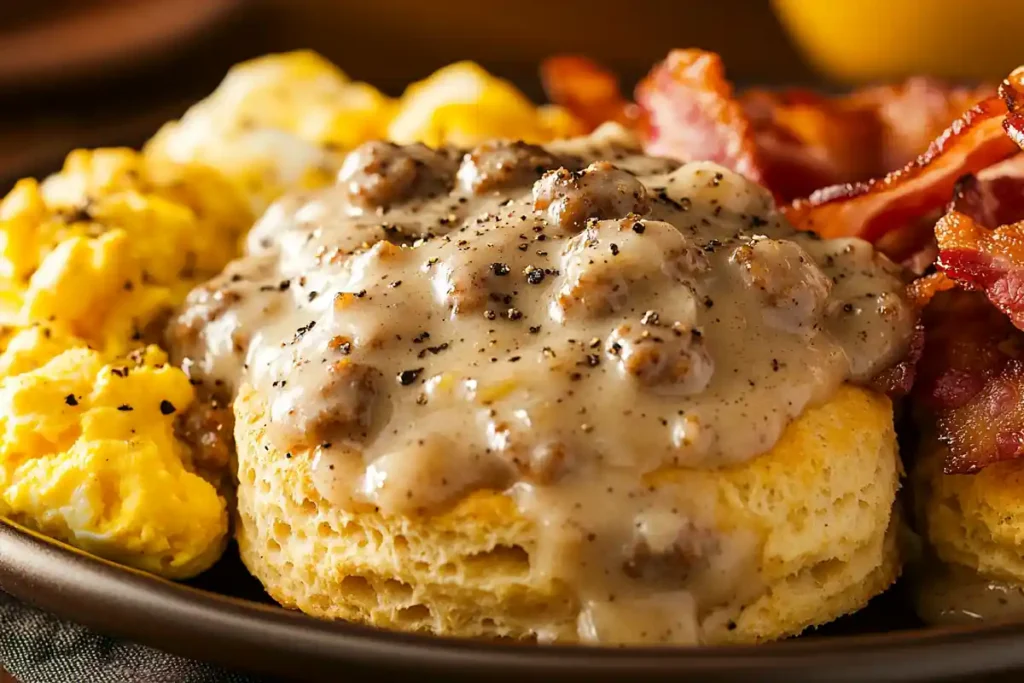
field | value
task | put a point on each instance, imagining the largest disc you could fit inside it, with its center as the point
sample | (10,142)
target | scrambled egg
(285,121)
(89,456)
(107,245)
(93,258)
(463,105)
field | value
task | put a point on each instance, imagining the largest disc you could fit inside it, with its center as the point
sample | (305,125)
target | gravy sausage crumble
(560,323)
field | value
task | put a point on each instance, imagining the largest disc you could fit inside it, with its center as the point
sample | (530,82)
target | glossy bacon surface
(871,209)
(981,237)
(693,114)
(1012,92)
(809,141)
(589,91)
(971,376)
(794,141)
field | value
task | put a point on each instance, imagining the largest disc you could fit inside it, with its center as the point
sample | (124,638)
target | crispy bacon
(693,114)
(806,141)
(981,237)
(870,210)
(989,428)
(589,91)
(972,371)
(922,290)
(1012,92)
(971,376)
(911,114)
(898,380)
(793,141)
(993,197)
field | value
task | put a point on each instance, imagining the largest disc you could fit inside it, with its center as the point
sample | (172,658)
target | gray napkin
(36,647)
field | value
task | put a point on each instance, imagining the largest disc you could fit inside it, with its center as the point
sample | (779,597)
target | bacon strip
(990,428)
(589,91)
(911,114)
(981,237)
(806,141)
(870,210)
(898,380)
(694,115)
(972,371)
(922,290)
(1012,92)
(972,377)
(793,141)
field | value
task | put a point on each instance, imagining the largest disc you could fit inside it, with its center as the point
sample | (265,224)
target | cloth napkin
(36,647)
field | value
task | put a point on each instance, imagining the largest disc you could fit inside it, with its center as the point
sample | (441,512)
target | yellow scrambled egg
(286,121)
(89,456)
(93,259)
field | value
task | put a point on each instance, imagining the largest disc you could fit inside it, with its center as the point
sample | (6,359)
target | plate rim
(266,639)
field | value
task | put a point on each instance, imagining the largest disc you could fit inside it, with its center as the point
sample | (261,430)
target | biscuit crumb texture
(972,520)
(820,502)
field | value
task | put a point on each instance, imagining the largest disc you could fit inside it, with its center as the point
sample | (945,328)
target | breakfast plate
(225,618)
(462,365)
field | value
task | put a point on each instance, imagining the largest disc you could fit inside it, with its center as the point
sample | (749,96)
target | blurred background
(101,72)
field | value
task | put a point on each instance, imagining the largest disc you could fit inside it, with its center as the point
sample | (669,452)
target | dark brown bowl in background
(51,42)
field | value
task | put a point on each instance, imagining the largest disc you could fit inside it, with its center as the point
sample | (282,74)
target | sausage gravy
(557,324)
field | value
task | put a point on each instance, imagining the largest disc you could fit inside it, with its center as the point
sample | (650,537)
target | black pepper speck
(407,377)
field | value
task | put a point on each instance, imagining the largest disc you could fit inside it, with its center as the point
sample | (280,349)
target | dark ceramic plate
(226,618)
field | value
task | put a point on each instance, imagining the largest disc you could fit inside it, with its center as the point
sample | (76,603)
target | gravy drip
(559,324)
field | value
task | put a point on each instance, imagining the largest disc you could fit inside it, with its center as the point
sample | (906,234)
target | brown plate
(225,618)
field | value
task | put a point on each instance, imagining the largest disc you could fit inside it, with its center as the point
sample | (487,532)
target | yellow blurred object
(463,105)
(275,123)
(856,41)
